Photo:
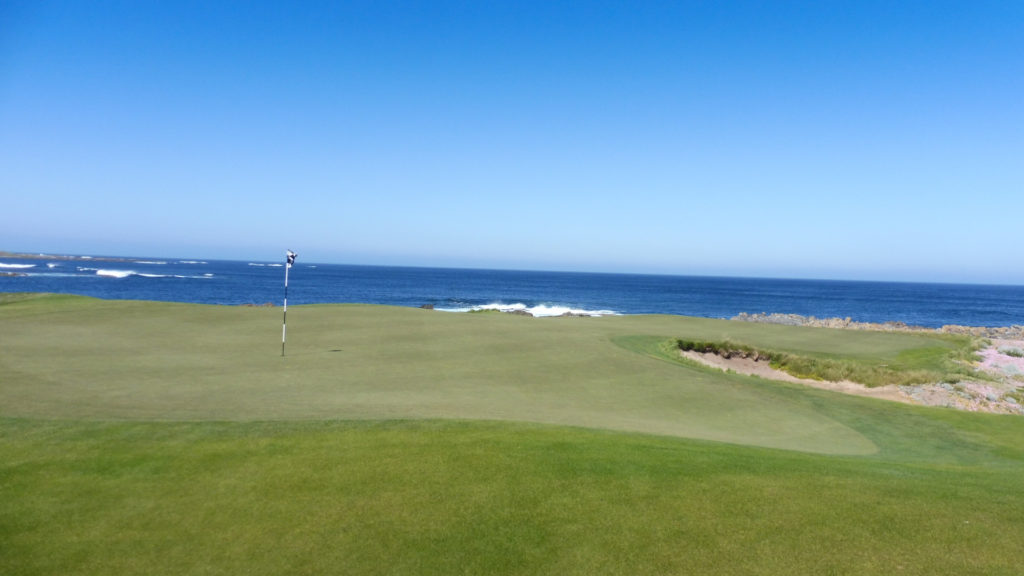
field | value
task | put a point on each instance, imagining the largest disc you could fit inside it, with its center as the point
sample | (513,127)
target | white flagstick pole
(284,322)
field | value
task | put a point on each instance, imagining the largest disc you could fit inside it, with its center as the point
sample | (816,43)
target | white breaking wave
(538,311)
(17,266)
(126,273)
(52,265)
(191,262)
(543,310)
(115,273)
(53,274)
(203,277)
(266,265)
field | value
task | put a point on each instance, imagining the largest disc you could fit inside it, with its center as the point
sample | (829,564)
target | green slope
(70,357)
(140,438)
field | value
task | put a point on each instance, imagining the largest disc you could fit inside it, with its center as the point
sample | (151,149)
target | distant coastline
(63,257)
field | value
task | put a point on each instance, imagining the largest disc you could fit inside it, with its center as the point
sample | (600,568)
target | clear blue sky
(859,140)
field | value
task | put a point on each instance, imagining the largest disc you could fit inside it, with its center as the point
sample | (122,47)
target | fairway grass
(449,497)
(140,437)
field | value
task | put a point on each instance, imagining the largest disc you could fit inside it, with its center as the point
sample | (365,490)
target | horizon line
(70,255)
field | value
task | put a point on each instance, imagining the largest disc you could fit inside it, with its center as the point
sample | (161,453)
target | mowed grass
(71,357)
(140,438)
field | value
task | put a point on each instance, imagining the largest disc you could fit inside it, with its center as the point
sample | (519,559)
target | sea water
(540,293)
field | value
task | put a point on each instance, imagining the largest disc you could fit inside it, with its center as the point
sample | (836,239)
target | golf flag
(284,321)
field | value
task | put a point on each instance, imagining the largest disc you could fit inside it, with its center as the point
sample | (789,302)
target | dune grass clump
(726,350)
(1012,352)
(917,368)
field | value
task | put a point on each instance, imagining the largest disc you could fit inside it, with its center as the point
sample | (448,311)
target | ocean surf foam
(539,311)
(108,273)
(114,273)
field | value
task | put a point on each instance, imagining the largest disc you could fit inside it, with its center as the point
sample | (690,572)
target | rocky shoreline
(1000,332)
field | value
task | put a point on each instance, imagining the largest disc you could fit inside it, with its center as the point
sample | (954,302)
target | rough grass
(922,365)
(140,438)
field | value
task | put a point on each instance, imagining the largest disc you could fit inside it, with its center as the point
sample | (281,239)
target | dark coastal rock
(427,307)
(1001,332)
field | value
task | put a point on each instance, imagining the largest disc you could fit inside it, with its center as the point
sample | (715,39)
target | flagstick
(284,322)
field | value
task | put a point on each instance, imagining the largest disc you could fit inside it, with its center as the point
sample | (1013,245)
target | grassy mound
(140,437)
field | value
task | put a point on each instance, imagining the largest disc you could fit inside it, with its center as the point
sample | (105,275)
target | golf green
(141,437)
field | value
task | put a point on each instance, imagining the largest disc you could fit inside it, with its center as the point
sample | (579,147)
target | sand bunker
(1000,394)
(762,369)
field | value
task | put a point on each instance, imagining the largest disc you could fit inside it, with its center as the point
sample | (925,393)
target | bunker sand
(762,369)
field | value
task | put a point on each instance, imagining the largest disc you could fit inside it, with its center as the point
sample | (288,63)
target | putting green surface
(69,357)
(140,438)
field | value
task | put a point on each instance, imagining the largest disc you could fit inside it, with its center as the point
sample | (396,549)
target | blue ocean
(540,293)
